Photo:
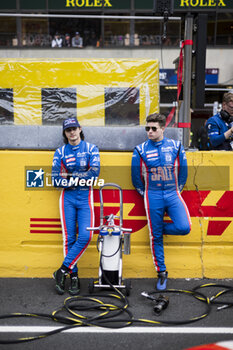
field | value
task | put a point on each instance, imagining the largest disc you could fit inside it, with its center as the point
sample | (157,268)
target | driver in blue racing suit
(75,166)
(159,173)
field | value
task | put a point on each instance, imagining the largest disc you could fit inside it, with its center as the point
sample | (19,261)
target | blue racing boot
(162,280)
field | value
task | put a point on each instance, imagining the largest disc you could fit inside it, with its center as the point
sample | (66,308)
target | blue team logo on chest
(82,159)
(83,162)
(168,157)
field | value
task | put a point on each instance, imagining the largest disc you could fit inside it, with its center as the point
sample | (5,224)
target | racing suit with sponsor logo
(74,167)
(159,172)
(216,127)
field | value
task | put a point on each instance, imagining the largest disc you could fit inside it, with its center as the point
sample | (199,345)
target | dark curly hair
(66,140)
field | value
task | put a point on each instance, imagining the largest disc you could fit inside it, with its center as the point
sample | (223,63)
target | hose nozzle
(160,303)
(148,296)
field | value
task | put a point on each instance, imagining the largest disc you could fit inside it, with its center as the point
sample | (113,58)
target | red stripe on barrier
(210,347)
(44,225)
(170,116)
(47,231)
(179,82)
(216,228)
(187,42)
(184,125)
(43,219)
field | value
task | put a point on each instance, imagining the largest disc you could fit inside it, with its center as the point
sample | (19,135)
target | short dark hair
(156,118)
(66,139)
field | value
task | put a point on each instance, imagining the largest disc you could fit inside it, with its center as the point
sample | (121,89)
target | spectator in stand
(77,41)
(93,39)
(67,41)
(57,40)
(99,42)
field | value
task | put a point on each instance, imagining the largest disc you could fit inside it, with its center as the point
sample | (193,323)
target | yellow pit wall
(30,232)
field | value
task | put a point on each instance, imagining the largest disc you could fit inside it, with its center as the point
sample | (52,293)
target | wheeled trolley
(112,240)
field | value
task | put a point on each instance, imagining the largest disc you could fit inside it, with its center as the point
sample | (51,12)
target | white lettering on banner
(74,181)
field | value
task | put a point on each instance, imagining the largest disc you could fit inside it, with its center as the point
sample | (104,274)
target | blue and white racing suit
(72,166)
(216,127)
(159,173)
